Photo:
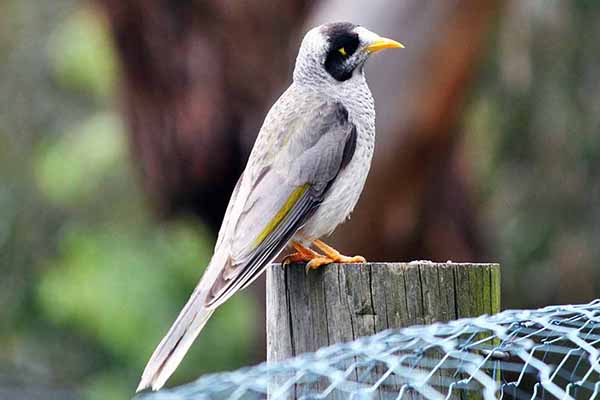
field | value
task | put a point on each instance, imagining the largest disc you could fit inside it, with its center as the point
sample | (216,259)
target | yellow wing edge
(283,211)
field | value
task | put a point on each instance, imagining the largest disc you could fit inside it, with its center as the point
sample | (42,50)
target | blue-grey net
(550,353)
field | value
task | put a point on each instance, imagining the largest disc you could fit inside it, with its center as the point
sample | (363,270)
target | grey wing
(286,193)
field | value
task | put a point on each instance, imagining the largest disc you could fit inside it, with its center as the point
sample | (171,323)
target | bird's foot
(318,262)
(350,260)
(295,258)
(315,260)
(302,254)
(335,255)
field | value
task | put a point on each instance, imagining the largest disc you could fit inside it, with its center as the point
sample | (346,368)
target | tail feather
(176,343)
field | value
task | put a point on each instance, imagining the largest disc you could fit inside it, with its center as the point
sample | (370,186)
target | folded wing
(285,194)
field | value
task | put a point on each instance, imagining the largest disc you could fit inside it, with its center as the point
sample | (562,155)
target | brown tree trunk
(198,77)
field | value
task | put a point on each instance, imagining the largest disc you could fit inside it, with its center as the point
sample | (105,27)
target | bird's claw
(336,256)
(315,260)
(318,262)
(351,260)
(295,258)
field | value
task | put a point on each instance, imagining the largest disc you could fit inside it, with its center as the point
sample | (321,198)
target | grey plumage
(303,178)
(313,157)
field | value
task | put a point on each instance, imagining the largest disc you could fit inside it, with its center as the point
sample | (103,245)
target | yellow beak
(383,43)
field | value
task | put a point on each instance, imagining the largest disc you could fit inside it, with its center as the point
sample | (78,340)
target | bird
(303,178)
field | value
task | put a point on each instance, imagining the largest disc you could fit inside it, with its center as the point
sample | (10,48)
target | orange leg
(331,256)
(302,254)
(312,259)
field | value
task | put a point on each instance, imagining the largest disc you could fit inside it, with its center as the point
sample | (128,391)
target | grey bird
(304,176)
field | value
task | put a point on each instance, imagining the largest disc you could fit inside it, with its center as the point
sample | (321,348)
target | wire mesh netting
(550,353)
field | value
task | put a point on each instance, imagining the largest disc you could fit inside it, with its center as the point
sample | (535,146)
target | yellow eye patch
(343,51)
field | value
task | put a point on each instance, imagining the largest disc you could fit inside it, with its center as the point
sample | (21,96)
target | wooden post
(342,302)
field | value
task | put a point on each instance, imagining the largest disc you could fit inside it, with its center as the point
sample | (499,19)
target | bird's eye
(342,51)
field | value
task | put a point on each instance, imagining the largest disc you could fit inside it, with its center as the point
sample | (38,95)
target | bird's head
(337,51)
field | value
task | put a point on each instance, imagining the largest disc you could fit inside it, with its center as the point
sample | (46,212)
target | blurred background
(125,124)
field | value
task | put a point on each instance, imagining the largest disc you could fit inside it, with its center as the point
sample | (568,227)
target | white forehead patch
(366,36)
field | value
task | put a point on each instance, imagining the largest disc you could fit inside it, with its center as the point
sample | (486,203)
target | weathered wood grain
(342,302)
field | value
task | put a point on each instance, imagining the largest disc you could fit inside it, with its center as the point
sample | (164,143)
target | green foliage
(122,287)
(81,54)
(103,386)
(532,136)
(112,284)
(71,166)
(91,280)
